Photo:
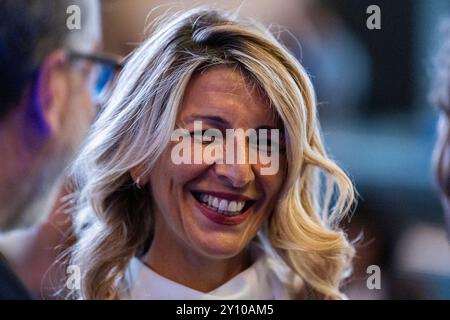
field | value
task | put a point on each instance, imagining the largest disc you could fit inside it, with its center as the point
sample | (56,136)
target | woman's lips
(226,195)
(221,218)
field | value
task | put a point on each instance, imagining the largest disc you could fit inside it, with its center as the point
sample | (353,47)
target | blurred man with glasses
(50,81)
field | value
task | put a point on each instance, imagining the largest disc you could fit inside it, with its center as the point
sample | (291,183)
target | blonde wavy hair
(114,218)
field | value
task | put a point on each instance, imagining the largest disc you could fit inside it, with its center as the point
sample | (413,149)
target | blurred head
(441,98)
(206,66)
(45,100)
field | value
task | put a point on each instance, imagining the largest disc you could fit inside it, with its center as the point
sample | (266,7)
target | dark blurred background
(372,88)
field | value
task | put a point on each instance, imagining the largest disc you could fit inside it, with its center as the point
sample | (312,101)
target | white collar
(258,282)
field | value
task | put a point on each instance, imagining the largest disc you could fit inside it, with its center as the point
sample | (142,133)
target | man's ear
(52,91)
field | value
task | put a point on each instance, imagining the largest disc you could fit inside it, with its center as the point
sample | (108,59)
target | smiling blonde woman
(150,228)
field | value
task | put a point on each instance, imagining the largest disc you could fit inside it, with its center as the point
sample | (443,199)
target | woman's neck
(193,270)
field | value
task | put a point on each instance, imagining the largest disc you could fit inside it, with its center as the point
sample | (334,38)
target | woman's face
(195,204)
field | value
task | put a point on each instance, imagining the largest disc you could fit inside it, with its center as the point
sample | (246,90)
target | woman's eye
(203,137)
(260,145)
(269,146)
(265,145)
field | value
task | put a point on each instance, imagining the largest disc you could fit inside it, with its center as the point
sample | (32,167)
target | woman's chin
(214,248)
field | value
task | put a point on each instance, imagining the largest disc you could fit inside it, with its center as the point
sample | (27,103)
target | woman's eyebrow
(268,127)
(222,122)
(210,118)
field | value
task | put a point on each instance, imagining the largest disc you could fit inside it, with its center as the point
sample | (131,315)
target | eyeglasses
(105,70)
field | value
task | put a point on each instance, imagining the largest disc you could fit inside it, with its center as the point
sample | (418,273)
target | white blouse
(258,282)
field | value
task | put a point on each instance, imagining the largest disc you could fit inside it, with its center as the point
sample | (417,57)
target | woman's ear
(137,174)
(52,91)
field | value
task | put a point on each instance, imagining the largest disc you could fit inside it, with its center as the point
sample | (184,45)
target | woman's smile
(223,208)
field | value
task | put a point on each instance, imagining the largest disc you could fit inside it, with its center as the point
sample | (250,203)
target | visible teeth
(215,202)
(222,205)
(232,206)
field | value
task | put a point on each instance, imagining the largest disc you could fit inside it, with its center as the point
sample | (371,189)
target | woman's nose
(235,175)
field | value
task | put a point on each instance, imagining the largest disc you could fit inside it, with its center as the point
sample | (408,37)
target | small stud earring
(138,183)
